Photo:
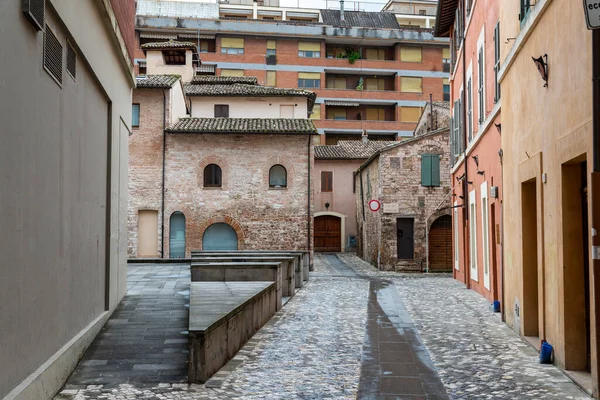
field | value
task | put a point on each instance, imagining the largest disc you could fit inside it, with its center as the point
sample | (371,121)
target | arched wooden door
(219,236)
(328,233)
(440,244)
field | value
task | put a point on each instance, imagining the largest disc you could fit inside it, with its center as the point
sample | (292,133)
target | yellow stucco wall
(542,128)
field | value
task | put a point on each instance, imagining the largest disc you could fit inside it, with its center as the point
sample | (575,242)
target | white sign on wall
(592,13)
(391,208)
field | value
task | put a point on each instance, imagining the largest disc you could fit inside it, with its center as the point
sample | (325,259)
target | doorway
(177,235)
(440,244)
(405,244)
(576,266)
(529,219)
(147,233)
(494,254)
(219,236)
(328,233)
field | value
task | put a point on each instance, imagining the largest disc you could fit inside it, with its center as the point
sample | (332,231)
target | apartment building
(474,31)
(371,75)
(65,109)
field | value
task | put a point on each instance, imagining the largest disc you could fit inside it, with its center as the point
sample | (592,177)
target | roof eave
(445,8)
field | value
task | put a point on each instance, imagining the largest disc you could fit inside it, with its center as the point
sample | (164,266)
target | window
(53,56)
(232,72)
(375,114)
(410,84)
(456,244)
(135,115)
(212,176)
(525,8)
(336,83)
(338,113)
(277,177)
(309,49)
(497,61)
(232,46)
(473,236)
(271,47)
(469,6)
(422,12)
(430,170)
(309,80)
(375,54)
(326,181)
(485,240)
(459,29)
(446,83)
(411,54)
(481,88)
(204,46)
(271,78)
(174,57)
(71,60)
(457,128)
(446,59)
(316,114)
(469,106)
(375,84)
(221,110)
(410,114)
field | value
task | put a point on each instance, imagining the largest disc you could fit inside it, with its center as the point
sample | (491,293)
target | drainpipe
(162,207)
(466,161)
(308,204)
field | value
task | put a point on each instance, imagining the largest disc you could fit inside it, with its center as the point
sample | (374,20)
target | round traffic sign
(374,205)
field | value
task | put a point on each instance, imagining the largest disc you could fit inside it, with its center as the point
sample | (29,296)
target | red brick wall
(125,14)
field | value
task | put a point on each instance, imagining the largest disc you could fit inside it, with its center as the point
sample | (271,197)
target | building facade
(335,203)
(549,288)
(403,198)
(66,116)
(474,31)
(370,74)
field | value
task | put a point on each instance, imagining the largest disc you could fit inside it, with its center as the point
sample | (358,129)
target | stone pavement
(351,332)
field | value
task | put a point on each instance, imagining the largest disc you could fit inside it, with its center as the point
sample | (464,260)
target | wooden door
(147,234)
(405,238)
(440,244)
(328,233)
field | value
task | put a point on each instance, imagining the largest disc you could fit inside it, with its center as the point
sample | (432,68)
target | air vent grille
(53,55)
(35,10)
(71,61)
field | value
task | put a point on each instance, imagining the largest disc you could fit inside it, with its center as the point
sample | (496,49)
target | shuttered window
(232,45)
(410,114)
(326,181)
(470,109)
(430,170)
(375,84)
(481,88)
(309,49)
(53,56)
(410,84)
(232,72)
(309,80)
(375,114)
(445,53)
(271,44)
(221,110)
(336,83)
(316,114)
(411,54)
(446,89)
(71,61)
(375,54)
(271,78)
(497,61)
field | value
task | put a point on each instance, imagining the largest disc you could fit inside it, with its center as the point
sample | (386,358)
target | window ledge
(278,188)
(212,188)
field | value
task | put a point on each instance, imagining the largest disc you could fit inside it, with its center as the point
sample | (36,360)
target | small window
(174,57)
(53,56)
(278,177)
(221,110)
(71,61)
(309,54)
(135,115)
(326,181)
(497,62)
(212,176)
(525,8)
(271,78)
(309,83)
(422,12)
(430,170)
(446,89)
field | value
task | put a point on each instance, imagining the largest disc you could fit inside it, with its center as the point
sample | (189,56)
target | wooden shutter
(410,114)
(309,75)
(235,43)
(371,83)
(221,110)
(426,170)
(480,80)
(309,46)
(316,114)
(446,53)
(411,54)
(372,114)
(372,54)
(232,72)
(435,170)
(380,84)
(271,44)
(326,181)
(411,84)
(271,78)
(497,61)
(339,83)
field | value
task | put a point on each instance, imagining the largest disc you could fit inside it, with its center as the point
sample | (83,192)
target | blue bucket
(496,306)
(546,353)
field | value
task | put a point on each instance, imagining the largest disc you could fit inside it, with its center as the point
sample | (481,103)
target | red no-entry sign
(374,205)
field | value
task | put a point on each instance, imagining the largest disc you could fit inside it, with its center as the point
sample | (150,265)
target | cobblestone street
(351,332)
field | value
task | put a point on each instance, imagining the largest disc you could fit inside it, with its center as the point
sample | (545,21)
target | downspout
(466,161)
(310,268)
(162,228)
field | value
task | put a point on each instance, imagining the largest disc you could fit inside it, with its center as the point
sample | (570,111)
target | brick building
(369,72)
(205,173)
(474,30)
(411,182)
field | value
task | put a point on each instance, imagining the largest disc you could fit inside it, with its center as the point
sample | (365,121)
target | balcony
(354,111)
(352,52)
(360,82)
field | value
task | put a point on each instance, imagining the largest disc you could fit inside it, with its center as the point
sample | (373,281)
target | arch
(439,244)
(213,176)
(277,176)
(177,240)
(221,163)
(278,160)
(342,218)
(220,236)
(235,225)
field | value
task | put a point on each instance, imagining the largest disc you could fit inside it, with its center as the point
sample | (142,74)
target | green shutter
(426,170)
(435,170)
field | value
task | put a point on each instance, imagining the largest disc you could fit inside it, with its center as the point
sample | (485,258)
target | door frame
(342,218)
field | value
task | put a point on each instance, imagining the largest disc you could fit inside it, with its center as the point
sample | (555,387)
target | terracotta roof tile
(156,81)
(244,125)
(224,80)
(351,149)
(171,44)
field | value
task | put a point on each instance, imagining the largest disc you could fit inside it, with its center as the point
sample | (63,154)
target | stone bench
(288,265)
(240,272)
(302,266)
(223,317)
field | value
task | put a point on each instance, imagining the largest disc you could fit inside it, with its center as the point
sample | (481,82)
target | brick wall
(125,14)
(395,178)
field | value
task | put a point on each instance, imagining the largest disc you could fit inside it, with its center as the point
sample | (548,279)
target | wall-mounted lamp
(480,172)
(476,159)
(499,127)
(470,182)
(500,154)
(327,205)
(461,197)
(509,39)
(542,66)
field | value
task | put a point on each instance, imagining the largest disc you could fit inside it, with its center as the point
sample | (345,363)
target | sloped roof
(351,149)
(444,18)
(360,19)
(156,81)
(170,45)
(224,80)
(244,125)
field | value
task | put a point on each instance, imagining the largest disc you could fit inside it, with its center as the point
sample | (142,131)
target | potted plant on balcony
(361,84)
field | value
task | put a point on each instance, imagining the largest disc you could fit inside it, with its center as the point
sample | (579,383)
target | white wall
(178,109)
(249,107)
(155,65)
(60,264)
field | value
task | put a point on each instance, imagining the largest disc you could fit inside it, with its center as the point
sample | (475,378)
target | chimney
(364,137)
(341,10)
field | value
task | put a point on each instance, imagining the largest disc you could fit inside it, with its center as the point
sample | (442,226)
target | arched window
(212,176)
(277,176)
(177,235)
(219,236)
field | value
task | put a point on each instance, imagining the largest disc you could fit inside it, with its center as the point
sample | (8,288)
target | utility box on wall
(494,192)
(351,243)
